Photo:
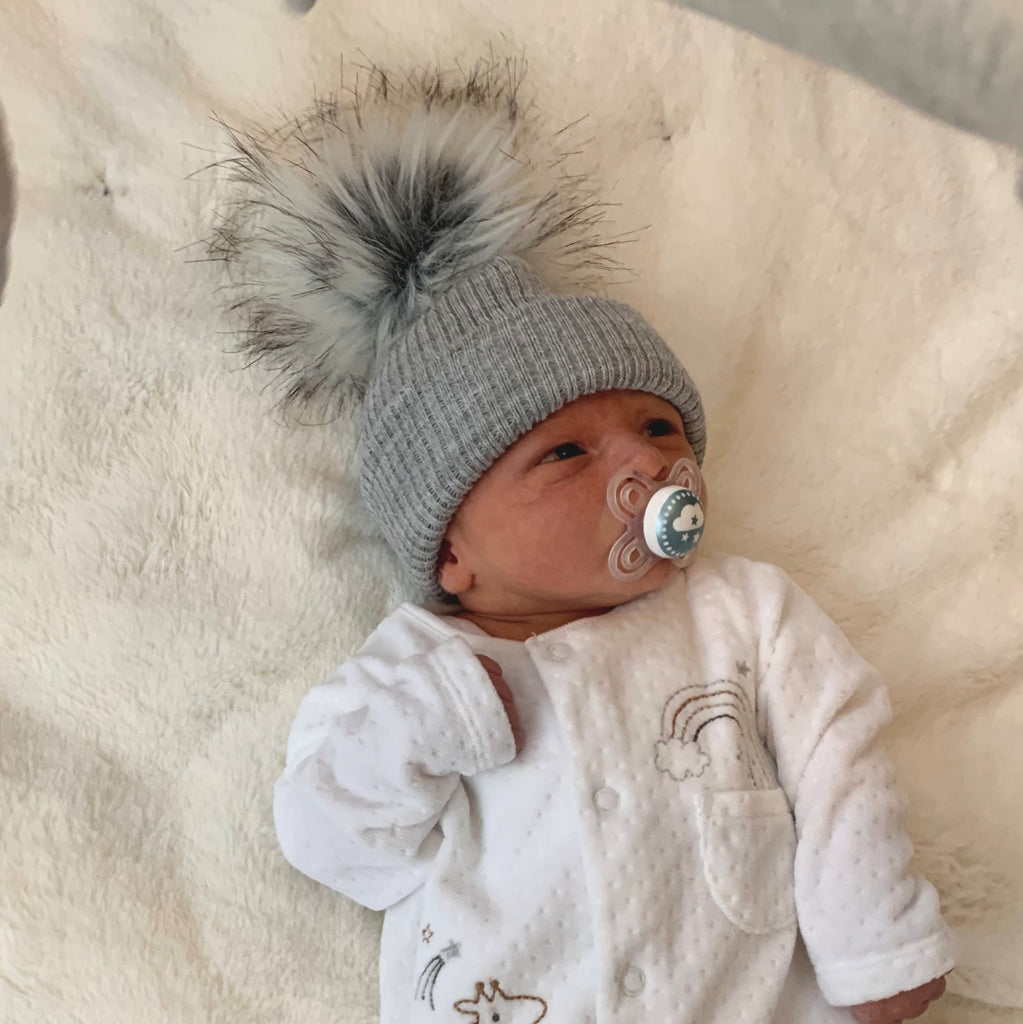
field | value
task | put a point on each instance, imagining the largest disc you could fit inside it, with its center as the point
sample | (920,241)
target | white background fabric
(841,276)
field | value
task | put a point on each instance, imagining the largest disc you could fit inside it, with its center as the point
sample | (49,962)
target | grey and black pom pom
(343,226)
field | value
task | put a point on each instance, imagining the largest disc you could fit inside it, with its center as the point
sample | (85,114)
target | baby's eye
(569,450)
(660,428)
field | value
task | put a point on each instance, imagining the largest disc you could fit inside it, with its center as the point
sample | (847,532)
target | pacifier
(663,518)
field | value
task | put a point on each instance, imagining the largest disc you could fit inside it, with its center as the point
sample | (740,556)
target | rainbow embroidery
(684,750)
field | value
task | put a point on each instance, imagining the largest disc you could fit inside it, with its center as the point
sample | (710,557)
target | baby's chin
(603,594)
(610,593)
(660,575)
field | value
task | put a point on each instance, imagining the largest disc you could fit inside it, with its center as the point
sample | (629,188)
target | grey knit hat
(409,259)
(496,355)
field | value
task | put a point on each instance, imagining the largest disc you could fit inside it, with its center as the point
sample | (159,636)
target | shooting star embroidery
(427,980)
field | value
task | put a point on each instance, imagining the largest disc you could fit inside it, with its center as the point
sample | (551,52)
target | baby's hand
(903,1006)
(504,692)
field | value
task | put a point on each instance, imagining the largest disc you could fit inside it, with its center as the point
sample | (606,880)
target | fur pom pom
(342,227)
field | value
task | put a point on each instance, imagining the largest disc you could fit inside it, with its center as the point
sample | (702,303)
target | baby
(593,774)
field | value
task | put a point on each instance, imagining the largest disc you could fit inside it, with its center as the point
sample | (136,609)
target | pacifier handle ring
(624,495)
(628,560)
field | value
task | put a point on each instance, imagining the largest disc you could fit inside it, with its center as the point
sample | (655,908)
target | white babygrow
(700,771)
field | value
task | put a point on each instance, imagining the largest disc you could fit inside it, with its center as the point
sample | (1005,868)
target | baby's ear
(445,554)
(451,572)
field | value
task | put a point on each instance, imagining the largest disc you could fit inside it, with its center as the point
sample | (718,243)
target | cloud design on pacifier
(690,517)
(681,760)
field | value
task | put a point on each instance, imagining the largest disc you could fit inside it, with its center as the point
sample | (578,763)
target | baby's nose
(637,454)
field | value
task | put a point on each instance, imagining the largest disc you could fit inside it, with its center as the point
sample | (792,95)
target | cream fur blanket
(842,277)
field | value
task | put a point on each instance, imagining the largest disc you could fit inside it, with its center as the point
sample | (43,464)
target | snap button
(606,799)
(559,652)
(633,981)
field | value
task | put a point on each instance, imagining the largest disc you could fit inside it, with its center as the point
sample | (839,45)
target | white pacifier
(663,518)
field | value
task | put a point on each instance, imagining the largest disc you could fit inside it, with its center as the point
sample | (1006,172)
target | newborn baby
(574,795)
(592,774)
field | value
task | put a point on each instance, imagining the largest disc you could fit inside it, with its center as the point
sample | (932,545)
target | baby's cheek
(554,553)
(574,550)
(557,545)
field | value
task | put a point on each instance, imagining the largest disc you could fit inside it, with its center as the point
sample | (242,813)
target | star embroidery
(742,668)
(427,934)
(450,951)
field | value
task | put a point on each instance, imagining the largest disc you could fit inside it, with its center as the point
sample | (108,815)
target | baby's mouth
(663,519)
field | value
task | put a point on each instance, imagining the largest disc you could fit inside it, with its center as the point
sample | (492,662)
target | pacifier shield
(662,519)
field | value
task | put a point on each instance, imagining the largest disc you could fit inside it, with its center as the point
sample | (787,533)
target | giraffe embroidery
(500,1008)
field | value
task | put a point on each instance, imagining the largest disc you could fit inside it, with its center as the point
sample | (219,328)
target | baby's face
(533,535)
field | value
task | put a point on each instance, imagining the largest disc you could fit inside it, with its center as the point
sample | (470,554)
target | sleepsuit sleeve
(374,756)
(871,926)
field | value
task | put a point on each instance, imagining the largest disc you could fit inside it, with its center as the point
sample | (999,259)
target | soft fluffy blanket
(841,275)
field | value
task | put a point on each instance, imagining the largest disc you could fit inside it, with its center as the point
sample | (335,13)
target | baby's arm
(374,756)
(871,927)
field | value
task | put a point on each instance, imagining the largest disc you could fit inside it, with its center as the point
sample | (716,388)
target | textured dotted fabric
(644,857)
